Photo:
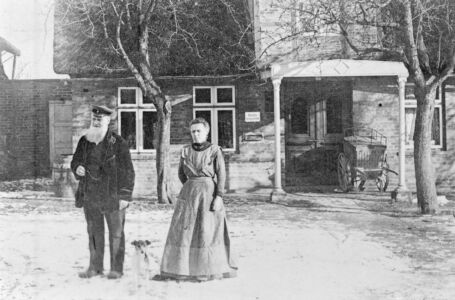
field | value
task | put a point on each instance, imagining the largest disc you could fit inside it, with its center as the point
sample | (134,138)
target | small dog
(393,196)
(142,257)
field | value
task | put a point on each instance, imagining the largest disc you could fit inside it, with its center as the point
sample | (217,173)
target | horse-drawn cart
(363,157)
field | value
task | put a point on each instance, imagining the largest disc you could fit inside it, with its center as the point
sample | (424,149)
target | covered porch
(315,88)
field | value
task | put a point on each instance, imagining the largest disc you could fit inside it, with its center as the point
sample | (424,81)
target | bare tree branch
(128,16)
(125,56)
(104,24)
(367,50)
(150,9)
(115,10)
(411,49)
(448,70)
(244,32)
(231,13)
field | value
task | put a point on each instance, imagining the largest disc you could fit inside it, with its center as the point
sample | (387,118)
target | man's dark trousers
(95,227)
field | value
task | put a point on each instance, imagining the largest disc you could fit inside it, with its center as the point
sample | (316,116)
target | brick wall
(375,105)
(443,159)
(24,126)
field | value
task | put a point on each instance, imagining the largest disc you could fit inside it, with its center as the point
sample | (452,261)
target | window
(202,96)
(216,104)
(213,96)
(300,116)
(137,120)
(437,128)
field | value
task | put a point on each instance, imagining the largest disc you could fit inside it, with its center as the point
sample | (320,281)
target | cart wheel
(344,173)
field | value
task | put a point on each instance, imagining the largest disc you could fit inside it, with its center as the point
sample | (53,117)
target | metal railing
(365,134)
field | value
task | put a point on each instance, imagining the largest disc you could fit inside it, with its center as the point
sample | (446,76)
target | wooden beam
(14,67)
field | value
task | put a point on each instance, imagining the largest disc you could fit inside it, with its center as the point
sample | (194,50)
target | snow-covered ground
(298,252)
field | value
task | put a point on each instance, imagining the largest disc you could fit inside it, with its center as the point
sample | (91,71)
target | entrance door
(316,115)
(60,129)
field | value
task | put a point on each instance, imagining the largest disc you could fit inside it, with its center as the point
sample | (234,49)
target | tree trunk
(424,171)
(163,165)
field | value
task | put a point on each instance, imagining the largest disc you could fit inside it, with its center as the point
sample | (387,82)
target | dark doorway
(316,114)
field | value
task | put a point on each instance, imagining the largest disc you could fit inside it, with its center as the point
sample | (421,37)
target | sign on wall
(253,116)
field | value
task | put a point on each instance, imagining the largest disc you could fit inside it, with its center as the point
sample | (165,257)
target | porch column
(402,190)
(277,193)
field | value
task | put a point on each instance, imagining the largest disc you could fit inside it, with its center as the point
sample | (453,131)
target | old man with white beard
(102,164)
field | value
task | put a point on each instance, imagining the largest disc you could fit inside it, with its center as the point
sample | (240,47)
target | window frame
(194,95)
(195,109)
(120,125)
(215,116)
(412,103)
(214,95)
(139,108)
(214,120)
(139,99)
(214,106)
(140,132)
(119,98)
(224,87)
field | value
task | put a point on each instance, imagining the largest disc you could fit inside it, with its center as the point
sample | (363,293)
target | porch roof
(338,68)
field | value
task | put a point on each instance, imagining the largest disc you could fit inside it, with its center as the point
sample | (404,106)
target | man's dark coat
(117,173)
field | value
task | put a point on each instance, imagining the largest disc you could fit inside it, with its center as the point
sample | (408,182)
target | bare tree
(420,33)
(148,38)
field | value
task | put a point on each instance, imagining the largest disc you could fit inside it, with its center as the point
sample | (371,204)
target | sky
(28,25)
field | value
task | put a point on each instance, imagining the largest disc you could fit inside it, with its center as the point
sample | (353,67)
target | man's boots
(90,273)
(114,275)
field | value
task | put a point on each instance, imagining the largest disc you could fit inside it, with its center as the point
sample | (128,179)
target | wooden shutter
(60,129)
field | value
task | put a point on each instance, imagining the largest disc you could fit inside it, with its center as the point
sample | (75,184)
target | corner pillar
(278,193)
(402,192)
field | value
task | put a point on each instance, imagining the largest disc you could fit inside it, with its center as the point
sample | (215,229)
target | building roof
(338,68)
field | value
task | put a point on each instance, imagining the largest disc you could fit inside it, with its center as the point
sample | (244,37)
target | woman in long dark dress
(198,244)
